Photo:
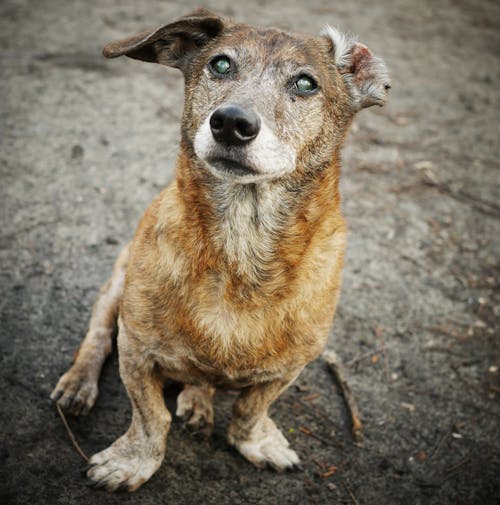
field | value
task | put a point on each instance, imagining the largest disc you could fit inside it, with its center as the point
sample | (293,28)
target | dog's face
(257,98)
(262,103)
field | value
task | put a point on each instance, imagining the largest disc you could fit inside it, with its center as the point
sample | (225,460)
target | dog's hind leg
(194,407)
(76,391)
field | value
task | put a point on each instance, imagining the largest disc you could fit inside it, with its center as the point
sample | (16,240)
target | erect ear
(171,44)
(364,74)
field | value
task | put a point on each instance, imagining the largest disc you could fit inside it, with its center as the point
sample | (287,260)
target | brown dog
(233,275)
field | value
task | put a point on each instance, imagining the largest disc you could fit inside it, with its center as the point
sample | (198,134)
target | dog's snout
(232,125)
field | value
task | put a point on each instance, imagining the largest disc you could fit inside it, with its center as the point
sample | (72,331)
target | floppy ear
(171,44)
(364,74)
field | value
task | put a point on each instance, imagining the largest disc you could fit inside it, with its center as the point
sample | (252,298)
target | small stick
(379,333)
(310,397)
(322,466)
(441,441)
(308,432)
(331,471)
(70,433)
(361,357)
(433,394)
(351,494)
(334,364)
(454,468)
(310,488)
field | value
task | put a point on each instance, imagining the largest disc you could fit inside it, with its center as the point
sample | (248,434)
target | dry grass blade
(351,494)
(70,433)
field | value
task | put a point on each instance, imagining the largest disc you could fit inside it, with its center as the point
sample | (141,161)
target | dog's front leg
(135,456)
(254,433)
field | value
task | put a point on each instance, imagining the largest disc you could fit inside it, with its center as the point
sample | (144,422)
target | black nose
(233,126)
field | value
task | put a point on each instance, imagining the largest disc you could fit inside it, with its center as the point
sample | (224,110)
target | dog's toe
(280,458)
(75,392)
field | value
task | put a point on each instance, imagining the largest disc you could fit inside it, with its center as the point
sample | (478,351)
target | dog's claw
(91,483)
(84,469)
(56,394)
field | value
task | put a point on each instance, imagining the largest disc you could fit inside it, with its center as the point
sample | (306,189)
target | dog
(233,275)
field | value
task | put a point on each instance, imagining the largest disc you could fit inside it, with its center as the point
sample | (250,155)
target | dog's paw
(194,407)
(123,466)
(76,391)
(266,446)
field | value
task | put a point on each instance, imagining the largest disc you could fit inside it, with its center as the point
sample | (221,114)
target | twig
(440,442)
(70,433)
(331,471)
(484,206)
(310,397)
(361,357)
(321,466)
(351,494)
(445,475)
(455,468)
(32,226)
(379,333)
(446,350)
(433,394)
(310,490)
(308,432)
(333,362)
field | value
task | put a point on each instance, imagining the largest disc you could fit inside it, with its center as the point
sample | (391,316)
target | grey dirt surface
(87,143)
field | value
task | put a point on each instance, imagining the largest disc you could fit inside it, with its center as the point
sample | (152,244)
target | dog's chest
(248,311)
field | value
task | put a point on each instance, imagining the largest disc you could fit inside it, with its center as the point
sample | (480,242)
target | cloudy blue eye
(220,64)
(305,84)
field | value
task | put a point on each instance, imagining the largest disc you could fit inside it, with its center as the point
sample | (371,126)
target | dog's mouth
(230,166)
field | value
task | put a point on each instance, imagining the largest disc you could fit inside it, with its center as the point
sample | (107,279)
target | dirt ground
(86,144)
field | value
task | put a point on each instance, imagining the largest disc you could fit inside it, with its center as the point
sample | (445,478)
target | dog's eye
(220,65)
(305,84)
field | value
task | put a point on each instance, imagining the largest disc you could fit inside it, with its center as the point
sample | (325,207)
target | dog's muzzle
(236,144)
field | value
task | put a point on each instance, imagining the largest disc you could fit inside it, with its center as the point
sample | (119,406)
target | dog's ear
(171,44)
(364,74)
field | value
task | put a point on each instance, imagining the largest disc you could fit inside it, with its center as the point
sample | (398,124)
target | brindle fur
(229,282)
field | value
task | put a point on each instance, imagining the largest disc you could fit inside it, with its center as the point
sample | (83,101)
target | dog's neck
(250,221)
(251,225)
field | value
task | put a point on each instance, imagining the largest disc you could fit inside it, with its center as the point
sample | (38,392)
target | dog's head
(262,103)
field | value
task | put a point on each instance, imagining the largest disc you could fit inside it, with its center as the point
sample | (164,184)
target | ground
(86,144)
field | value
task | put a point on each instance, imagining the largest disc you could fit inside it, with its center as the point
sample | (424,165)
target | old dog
(234,272)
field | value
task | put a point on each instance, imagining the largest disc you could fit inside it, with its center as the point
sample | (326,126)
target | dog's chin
(231,170)
(226,165)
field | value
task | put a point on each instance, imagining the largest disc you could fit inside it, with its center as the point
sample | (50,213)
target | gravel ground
(86,144)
